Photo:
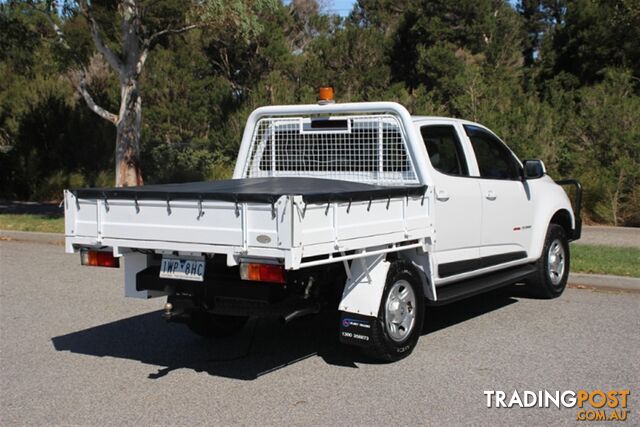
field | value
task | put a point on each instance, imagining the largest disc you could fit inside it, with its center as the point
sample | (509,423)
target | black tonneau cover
(262,190)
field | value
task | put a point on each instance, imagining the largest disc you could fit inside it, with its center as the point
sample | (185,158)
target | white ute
(358,206)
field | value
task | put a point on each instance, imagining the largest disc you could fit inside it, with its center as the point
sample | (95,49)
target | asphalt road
(74,351)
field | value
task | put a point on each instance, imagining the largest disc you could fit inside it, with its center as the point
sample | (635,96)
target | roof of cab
(418,119)
(421,118)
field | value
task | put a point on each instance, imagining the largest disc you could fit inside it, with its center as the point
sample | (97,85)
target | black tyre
(395,332)
(552,269)
(210,325)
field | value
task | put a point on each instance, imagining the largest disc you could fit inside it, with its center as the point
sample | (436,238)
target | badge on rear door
(263,238)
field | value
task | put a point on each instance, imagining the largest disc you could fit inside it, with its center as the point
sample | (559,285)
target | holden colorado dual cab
(359,206)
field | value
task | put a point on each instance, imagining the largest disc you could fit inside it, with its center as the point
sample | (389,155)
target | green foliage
(556,79)
(187,164)
(437,40)
(18,40)
(53,185)
(608,134)
(351,60)
(595,35)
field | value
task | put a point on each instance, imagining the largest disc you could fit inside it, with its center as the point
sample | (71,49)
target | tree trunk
(136,43)
(128,172)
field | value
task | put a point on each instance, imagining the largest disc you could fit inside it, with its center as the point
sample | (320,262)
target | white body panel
(507,213)
(549,199)
(457,206)
(289,231)
(458,215)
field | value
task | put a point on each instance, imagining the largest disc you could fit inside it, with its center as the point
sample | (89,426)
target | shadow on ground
(264,346)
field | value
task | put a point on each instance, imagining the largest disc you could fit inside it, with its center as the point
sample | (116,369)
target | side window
(444,149)
(494,158)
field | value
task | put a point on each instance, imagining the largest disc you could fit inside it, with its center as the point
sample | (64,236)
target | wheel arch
(564,219)
(561,216)
(421,263)
(362,292)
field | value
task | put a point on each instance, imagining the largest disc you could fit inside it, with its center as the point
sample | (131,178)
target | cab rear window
(444,149)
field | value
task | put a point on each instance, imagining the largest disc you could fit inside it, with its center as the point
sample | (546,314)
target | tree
(591,37)
(541,18)
(469,31)
(381,14)
(142,25)
(607,134)
(303,26)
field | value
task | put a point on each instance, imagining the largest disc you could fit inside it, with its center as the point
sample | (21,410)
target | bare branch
(56,28)
(81,86)
(146,43)
(109,55)
(142,59)
(174,31)
(58,31)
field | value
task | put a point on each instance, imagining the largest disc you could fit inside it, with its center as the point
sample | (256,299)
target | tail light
(273,273)
(98,258)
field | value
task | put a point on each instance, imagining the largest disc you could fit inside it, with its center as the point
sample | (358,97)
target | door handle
(491,195)
(442,195)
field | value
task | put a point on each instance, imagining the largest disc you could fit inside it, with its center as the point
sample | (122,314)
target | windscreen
(370,149)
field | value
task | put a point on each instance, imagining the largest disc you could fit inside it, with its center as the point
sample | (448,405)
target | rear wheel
(552,269)
(211,325)
(398,326)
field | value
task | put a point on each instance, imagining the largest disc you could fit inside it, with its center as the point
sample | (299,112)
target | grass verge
(605,260)
(30,222)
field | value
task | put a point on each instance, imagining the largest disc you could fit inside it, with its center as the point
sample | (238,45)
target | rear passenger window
(444,149)
(495,160)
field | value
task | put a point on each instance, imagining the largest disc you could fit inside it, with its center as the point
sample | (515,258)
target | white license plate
(182,268)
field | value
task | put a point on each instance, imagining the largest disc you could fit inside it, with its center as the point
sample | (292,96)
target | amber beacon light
(325,95)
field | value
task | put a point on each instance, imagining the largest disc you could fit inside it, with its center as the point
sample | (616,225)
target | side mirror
(534,169)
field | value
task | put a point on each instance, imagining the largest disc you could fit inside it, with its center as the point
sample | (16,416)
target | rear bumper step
(226,295)
(287,310)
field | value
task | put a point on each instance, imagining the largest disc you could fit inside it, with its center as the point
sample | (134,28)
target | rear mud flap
(355,329)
